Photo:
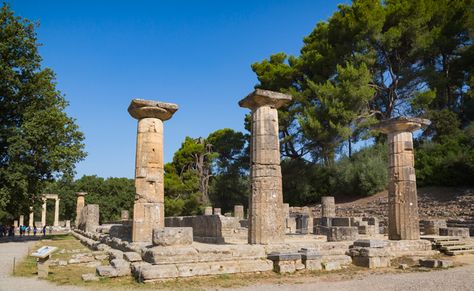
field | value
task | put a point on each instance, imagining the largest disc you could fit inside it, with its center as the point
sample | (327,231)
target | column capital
(401,124)
(140,109)
(81,194)
(261,97)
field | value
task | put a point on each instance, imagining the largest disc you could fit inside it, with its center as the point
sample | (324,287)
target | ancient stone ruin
(273,236)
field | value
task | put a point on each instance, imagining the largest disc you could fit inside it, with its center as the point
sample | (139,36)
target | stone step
(450,243)
(458,248)
(463,252)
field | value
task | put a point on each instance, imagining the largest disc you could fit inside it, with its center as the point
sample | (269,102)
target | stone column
(22,219)
(80,202)
(403,220)
(43,213)
(56,212)
(148,209)
(239,211)
(265,215)
(15,223)
(31,221)
(217,211)
(208,210)
(328,206)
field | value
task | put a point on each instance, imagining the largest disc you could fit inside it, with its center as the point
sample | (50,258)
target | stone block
(429,263)
(313,265)
(132,256)
(115,254)
(155,272)
(89,277)
(173,236)
(331,266)
(255,266)
(121,266)
(454,231)
(341,221)
(445,263)
(432,226)
(338,233)
(370,243)
(285,262)
(371,262)
(106,271)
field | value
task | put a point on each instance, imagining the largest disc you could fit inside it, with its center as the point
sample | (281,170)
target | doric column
(80,202)
(43,212)
(56,212)
(328,206)
(265,215)
(148,209)
(22,219)
(208,210)
(402,195)
(32,217)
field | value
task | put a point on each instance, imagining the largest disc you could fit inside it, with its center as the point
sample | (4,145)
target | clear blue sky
(193,53)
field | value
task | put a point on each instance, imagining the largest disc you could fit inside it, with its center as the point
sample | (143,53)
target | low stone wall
(216,229)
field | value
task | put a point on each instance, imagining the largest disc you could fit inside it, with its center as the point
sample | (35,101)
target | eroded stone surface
(172,236)
(328,206)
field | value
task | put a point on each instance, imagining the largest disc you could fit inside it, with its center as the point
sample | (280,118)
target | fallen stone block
(156,272)
(285,262)
(454,231)
(121,266)
(106,271)
(115,254)
(445,264)
(371,262)
(331,266)
(89,277)
(173,236)
(429,263)
(132,256)
(311,259)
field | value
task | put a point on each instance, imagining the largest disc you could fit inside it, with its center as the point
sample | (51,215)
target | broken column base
(338,233)
(370,253)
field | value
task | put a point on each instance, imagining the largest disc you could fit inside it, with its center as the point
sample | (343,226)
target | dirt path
(19,250)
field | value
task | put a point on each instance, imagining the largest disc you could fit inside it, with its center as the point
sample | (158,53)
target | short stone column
(239,211)
(31,220)
(328,206)
(148,209)
(125,215)
(22,220)
(43,213)
(265,215)
(80,202)
(208,210)
(56,212)
(217,211)
(15,223)
(403,220)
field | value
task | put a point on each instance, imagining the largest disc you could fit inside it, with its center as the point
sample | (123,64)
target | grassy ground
(71,274)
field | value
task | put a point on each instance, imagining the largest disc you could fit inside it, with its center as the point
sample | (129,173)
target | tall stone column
(80,202)
(56,212)
(265,215)
(31,221)
(403,220)
(43,213)
(328,206)
(148,209)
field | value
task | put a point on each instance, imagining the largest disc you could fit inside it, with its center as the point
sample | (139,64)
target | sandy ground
(459,278)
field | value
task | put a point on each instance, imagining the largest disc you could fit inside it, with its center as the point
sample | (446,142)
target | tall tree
(38,141)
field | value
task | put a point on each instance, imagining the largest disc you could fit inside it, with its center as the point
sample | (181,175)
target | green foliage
(38,141)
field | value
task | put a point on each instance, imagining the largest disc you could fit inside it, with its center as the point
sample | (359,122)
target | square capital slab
(261,97)
(81,194)
(140,108)
(401,124)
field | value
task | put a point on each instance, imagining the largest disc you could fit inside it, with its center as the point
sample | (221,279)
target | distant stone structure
(217,211)
(80,202)
(239,211)
(403,220)
(148,209)
(32,217)
(328,206)
(56,209)
(266,220)
(125,215)
(208,210)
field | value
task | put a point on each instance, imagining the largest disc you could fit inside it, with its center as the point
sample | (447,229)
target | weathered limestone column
(43,212)
(239,211)
(148,210)
(56,212)
(328,206)
(31,221)
(403,220)
(80,202)
(208,210)
(22,219)
(265,214)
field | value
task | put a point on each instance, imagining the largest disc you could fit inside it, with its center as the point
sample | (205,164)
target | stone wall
(210,228)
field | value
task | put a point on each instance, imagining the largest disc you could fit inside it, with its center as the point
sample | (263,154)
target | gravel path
(460,278)
(19,250)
